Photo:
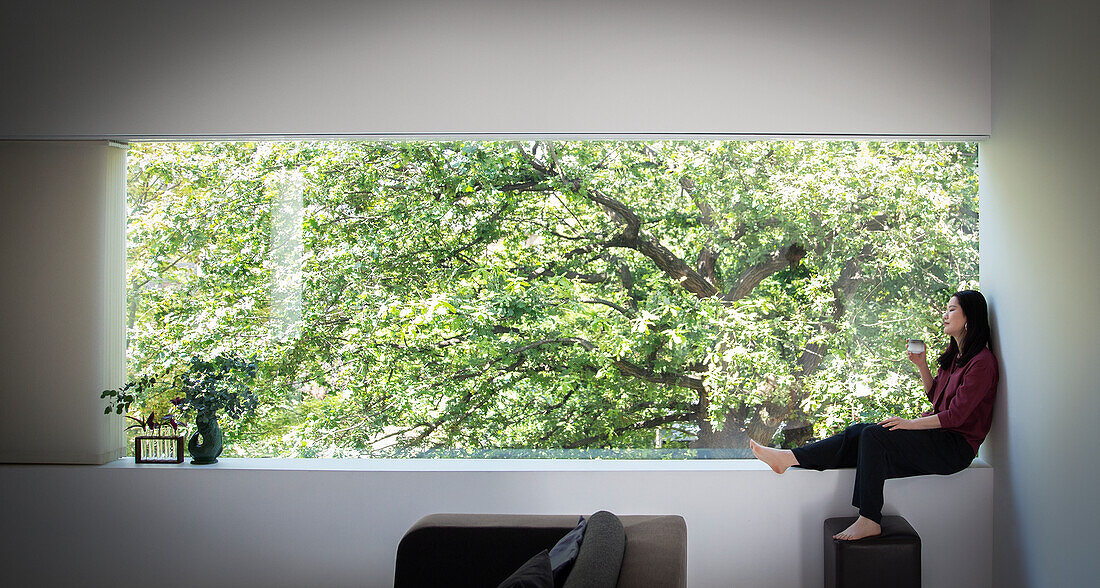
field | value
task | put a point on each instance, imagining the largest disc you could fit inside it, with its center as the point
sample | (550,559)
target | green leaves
(218,385)
(122,398)
(472,294)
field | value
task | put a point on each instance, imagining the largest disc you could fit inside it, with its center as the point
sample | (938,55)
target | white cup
(915,345)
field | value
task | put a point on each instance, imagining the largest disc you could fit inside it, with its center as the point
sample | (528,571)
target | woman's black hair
(977,336)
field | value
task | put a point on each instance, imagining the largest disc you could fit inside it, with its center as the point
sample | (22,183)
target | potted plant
(221,384)
(205,388)
(152,444)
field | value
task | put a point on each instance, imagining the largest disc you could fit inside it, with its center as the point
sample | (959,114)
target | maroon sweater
(963,397)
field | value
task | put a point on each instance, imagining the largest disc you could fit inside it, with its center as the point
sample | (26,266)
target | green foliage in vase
(404,296)
(219,385)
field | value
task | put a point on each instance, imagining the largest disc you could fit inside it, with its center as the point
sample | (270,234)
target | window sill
(468,465)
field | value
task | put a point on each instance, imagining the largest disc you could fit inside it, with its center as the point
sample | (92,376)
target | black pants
(878,454)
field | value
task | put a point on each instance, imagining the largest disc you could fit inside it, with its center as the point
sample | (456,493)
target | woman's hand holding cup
(916,351)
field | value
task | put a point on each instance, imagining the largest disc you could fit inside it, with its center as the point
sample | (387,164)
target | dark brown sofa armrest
(656,552)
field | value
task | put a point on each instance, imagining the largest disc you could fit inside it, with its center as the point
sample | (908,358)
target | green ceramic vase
(212,444)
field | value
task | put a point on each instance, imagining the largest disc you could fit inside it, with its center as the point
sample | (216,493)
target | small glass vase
(157,448)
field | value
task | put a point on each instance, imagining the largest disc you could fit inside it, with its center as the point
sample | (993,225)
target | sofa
(481,550)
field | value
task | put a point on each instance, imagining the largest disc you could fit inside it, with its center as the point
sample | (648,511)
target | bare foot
(863,527)
(777,459)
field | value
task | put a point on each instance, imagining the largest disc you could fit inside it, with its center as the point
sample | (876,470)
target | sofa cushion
(565,551)
(601,553)
(535,573)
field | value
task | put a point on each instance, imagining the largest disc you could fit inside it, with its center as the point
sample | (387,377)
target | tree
(556,294)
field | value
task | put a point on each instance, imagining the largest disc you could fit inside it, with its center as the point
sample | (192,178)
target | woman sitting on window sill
(943,440)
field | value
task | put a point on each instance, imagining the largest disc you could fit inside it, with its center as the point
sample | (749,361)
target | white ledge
(467,465)
(287,522)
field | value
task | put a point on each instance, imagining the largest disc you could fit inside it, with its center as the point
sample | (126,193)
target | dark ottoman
(890,559)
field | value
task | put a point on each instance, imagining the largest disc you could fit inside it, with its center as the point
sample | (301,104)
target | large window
(661,298)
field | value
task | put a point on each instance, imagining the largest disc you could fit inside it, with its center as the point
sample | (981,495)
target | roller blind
(138,69)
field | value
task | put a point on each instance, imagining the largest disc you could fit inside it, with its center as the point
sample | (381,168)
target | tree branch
(750,278)
(844,288)
(743,228)
(637,371)
(706,211)
(706,261)
(550,268)
(669,263)
(631,236)
(646,424)
(624,311)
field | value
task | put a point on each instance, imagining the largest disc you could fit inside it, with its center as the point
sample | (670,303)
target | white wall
(62,293)
(227,525)
(140,69)
(1040,206)
(135,68)
(205,68)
